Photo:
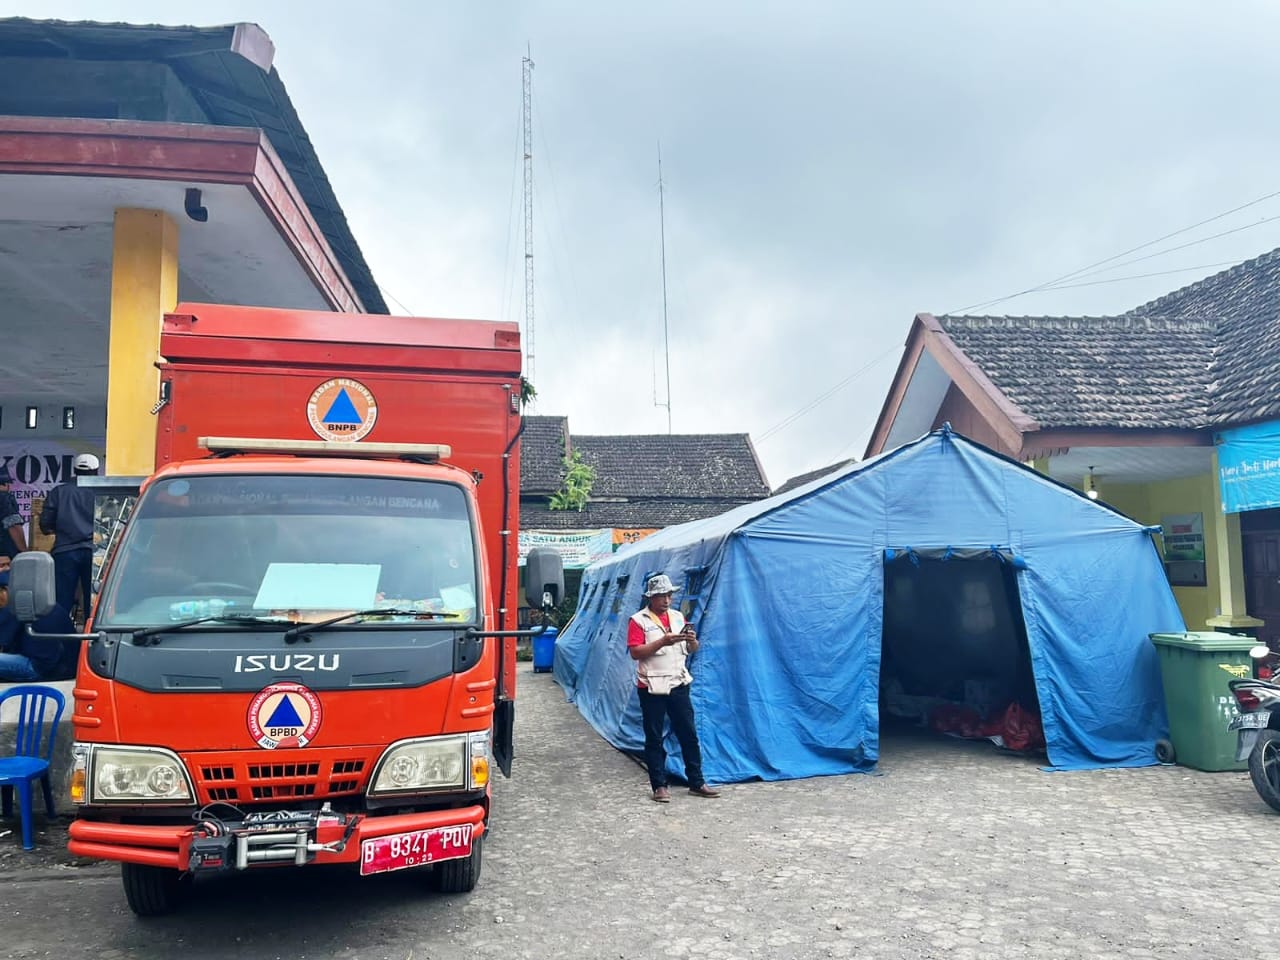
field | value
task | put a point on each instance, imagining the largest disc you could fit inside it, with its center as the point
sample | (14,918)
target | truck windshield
(301,548)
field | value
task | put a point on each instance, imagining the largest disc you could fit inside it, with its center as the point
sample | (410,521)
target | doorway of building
(1260,533)
(954,652)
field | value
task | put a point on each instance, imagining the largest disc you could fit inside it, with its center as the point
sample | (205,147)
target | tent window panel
(604,592)
(621,594)
(694,579)
(977,611)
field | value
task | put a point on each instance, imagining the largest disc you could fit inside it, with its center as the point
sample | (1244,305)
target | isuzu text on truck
(303,649)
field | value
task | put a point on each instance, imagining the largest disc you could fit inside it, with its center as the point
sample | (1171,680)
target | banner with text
(37,466)
(578,549)
(631,535)
(1249,467)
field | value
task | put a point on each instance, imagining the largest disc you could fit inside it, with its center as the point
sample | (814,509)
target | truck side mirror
(544,577)
(31,593)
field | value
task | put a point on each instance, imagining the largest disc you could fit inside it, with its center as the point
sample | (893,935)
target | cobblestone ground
(956,851)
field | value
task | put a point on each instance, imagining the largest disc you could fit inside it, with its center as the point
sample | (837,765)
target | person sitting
(25,657)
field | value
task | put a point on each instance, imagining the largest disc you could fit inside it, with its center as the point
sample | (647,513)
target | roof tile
(1120,372)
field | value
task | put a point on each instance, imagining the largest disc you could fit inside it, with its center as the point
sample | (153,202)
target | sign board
(578,549)
(1249,467)
(623,537)
(38,466)
(1183,535)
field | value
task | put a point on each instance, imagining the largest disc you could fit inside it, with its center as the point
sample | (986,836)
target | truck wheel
(1264,767)
(1165,752)
(151,891)
(460,876)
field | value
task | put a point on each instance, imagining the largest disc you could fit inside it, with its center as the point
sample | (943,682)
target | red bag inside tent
(1021,729)
(956,718)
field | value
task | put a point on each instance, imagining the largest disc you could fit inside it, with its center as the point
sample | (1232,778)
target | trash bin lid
(1205,640)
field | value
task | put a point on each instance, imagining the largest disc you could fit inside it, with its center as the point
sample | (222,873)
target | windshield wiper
(237,619)
(292,635)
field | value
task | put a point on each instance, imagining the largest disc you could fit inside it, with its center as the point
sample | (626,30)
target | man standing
(68,513)
(660,642)
(13,540)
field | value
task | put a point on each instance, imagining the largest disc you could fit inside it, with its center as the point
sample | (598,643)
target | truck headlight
(431,763)
(136,775)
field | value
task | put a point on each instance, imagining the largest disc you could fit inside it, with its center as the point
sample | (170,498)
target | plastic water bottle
(195,609)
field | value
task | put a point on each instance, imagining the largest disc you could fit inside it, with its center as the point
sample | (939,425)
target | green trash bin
(1195,668)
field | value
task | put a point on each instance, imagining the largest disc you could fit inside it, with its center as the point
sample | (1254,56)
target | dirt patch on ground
(50,853)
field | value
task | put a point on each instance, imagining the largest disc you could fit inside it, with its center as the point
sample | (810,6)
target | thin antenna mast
(666,337)
(527,76)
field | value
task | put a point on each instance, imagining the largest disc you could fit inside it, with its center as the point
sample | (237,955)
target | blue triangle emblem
(285,714)
(342,410)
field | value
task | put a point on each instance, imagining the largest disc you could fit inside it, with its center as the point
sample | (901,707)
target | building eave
(190,153)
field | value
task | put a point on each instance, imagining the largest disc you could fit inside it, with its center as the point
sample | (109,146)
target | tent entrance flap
(954,652)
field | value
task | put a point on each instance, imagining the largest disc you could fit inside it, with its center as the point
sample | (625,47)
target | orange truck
(302,650)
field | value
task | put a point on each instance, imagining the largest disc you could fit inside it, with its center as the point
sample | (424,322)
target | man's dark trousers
(72,567)
(654,709)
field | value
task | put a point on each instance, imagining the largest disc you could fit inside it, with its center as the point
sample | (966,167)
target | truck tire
(1264,767)
(151,891)
(460,876)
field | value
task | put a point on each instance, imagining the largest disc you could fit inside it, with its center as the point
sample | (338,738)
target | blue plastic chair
(29,763)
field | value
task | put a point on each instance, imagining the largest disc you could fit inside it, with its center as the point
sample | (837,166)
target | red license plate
(403,850)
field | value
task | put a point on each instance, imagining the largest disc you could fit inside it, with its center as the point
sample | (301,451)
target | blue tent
(789,598)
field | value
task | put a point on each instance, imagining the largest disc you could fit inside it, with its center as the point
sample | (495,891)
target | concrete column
(1226,532)
(144,287)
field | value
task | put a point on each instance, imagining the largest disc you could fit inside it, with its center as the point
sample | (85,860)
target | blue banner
(1249,467)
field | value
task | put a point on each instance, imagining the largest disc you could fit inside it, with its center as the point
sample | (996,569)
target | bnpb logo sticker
(284,715)
(342,409)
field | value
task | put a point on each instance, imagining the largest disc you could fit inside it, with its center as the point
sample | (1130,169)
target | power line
(783,424)
(1124,253)
(388,294)
(1143,276)
(1181,246)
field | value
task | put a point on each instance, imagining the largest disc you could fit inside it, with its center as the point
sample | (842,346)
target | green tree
(528,393)
(575,490)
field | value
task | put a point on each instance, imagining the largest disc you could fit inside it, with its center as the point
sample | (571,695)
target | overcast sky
(831,169)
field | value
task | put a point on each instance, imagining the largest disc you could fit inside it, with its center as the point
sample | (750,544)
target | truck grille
(241,781)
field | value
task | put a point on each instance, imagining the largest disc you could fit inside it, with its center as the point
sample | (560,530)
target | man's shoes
(662,795)
(704,791)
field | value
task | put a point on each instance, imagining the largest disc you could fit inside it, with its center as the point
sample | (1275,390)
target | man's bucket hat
(657,585)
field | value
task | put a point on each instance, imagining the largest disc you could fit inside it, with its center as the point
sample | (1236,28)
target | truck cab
(300,651)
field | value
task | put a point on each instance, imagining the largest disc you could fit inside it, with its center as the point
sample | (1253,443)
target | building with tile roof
(142,165)
(801,479)
(1170,411)
(642,482)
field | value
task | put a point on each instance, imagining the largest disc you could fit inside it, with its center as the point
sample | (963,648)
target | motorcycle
(1257,728)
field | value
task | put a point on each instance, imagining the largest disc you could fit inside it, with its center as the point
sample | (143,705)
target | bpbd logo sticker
(284,715)
(342,409)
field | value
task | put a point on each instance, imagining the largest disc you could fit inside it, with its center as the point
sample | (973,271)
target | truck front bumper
(311,838)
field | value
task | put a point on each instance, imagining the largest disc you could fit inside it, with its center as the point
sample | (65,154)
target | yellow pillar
(1226,531)
(1039,465)
(144,287)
